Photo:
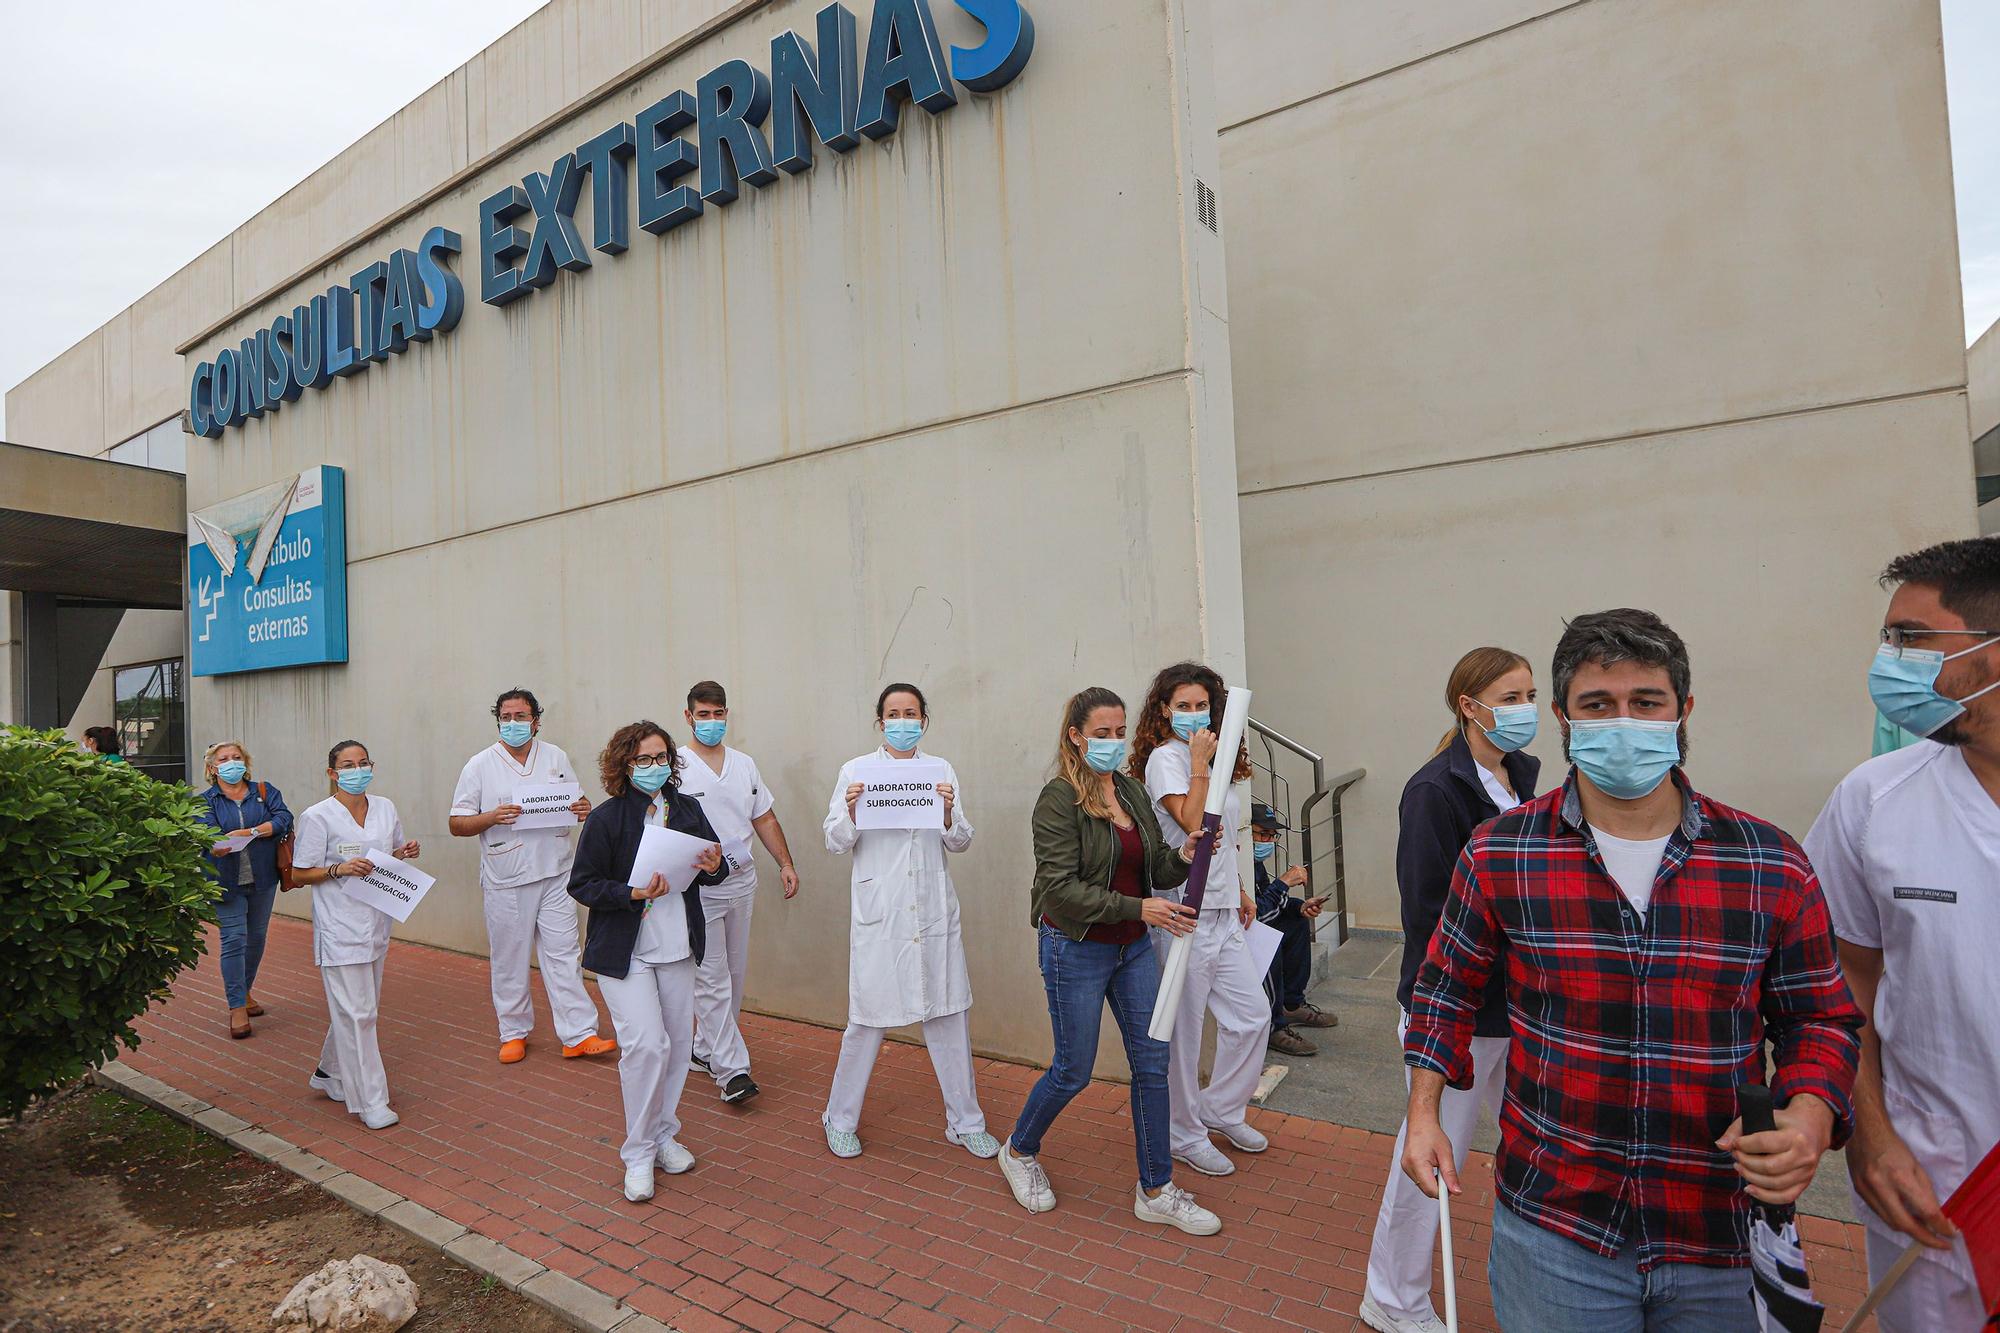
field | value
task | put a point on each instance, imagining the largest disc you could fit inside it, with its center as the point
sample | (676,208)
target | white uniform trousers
(1399,1258)
(520,921)
(949,1039)
(1221,979)
(718,987)
(350,1054)
(652,1009)
(1938,1293)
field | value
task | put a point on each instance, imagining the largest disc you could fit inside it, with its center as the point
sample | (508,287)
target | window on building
(150,712)
(163,446)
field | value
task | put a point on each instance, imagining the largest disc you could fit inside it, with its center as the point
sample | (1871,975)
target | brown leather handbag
(285,881)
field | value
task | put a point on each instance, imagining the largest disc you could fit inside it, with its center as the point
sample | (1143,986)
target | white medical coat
(906,961)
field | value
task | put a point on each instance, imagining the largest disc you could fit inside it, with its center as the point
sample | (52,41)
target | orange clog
(513,1052)
(592,1045)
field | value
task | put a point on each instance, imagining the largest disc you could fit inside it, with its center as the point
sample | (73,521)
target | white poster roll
(1173,978)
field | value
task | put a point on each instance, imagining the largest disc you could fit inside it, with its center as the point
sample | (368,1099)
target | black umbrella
(1780,1290)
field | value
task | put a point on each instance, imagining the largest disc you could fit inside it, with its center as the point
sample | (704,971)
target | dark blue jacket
(605,851)
(1442,804)
(256,809)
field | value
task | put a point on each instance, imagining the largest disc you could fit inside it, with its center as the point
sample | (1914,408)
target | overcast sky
(135,135)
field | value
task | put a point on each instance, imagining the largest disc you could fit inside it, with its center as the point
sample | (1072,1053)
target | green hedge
(104,890)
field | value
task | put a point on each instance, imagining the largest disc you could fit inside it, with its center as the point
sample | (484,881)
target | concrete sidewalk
(770,1231)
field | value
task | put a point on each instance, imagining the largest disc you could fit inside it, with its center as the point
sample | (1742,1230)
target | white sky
(135,135)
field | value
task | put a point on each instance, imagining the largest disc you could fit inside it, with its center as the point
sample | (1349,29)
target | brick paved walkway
(770,1231)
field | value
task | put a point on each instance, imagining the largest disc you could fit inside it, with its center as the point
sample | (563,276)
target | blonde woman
(249,878)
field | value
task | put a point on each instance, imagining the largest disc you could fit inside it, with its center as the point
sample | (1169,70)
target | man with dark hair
(733,796)
(1908,848)
(1654,939)
(524,881)
(1290,972)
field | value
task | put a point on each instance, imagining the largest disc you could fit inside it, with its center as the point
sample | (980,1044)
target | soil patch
(116,1216)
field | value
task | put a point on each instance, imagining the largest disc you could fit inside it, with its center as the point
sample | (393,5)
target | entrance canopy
(84,528)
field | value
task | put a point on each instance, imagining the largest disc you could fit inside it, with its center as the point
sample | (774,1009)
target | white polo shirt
(508,857)
(1168,770)
(1908,854)
(730,799)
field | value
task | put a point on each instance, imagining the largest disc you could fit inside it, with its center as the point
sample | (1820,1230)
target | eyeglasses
(1896,638)
(651,761)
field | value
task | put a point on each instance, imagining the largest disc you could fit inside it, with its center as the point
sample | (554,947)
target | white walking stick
(1173,974)
(1883,1288)
(1450,1277)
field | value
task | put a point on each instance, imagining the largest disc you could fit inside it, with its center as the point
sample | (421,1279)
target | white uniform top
(1168,771)
(730,799)
(345,929)
(663,930)
(510,857)
(906,962)
(1908,855)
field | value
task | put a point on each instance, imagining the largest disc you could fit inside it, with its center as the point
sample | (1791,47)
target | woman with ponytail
(1098,857)
(1478,771)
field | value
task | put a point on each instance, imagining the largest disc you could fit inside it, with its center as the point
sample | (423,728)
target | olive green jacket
(1076,854)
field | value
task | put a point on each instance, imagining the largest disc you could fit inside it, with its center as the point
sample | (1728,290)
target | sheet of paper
(1263,941)
(669,852)
(237,841)
(546,804)
(736,851)
(395,887)
(899,793)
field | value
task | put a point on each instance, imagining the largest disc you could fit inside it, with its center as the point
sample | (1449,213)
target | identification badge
(347,851)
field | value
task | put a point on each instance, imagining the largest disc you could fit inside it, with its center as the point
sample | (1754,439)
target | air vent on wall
(1204,205)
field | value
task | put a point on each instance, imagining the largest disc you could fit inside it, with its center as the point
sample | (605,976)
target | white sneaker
(842,1142)
(381,1119)
(1028,1181)
(1206,1158)
(1241,1136)
(675,1159)
(639,1182)
(979,1143)
(1175,1207)
(1382,1321)
(328,1084)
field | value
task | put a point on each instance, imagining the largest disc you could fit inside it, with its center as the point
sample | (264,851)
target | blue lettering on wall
(828,90)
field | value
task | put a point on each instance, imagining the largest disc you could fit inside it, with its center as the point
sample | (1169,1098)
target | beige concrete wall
(1543,308)
(936,410)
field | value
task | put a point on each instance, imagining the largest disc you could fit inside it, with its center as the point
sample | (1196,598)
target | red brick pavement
(770,1231)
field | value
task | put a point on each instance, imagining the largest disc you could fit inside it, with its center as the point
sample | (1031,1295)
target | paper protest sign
(395,887)
(546,804)
(234,842)
(736,855)
(669,852)
(1263,941)
(899,793)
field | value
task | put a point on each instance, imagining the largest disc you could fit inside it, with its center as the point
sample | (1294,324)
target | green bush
(104,891)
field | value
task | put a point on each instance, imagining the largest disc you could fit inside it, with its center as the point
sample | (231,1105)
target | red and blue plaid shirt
(1630,1032)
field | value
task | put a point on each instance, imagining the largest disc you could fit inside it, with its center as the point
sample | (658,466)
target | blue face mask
(1513,725)
(231,770)
(1187,724)
(902,733)
(1625,757)
(1905,688)
(1264,851)
(711,731)
(651,778)
(1103,753)
(354,781)
(515,732)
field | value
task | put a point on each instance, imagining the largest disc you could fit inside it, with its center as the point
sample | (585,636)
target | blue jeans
(1551,1284)
(1080,977)
(244,914)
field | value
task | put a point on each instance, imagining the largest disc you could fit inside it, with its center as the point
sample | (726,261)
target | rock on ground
(358,1295)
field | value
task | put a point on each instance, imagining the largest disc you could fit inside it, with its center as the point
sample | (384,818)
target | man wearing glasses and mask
(1908,853)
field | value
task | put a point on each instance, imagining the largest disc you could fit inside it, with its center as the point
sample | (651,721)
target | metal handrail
(1322,791)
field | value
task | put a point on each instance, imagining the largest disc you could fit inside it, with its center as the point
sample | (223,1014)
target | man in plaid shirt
(1650,939)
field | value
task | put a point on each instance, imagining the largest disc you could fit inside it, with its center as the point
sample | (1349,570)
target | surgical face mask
(652,777)
(1103,753)
(1625,757)
(1187,724)
(1263,851)
(1513,725)
(902,733)
(231,770)
(711,731)
(516,732)
(354,781)
(1904,687)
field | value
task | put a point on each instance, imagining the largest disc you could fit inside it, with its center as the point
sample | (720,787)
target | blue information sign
(267,576)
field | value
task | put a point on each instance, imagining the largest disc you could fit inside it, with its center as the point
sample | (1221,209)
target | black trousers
(1291,967)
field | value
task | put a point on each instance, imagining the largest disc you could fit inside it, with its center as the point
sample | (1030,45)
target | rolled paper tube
(1173,979)
(1173,974)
